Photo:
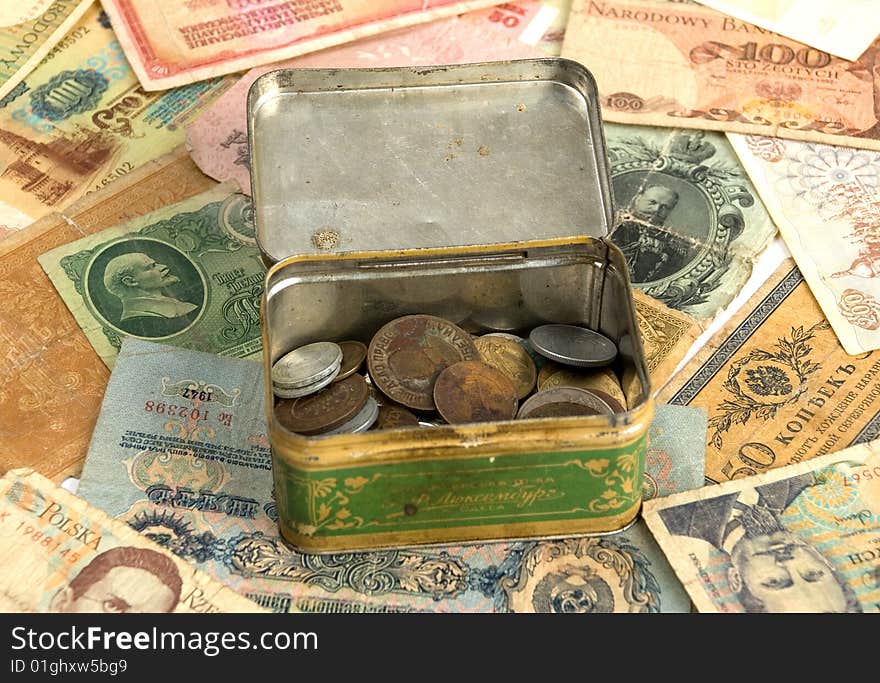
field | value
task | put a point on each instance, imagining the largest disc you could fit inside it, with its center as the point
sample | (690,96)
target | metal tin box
(478,193)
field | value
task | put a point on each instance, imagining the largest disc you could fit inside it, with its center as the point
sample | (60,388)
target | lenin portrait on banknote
(144,287)
(771,568)
(122,579)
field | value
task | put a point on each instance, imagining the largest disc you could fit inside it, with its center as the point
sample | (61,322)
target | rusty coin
(326,410)
(395,417)
(563,402)
(406,356)
(472,391)
(510,358)
(353,354)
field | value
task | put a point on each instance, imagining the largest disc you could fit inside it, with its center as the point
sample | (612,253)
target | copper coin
(510,358)
(326,410)
(395,417)
(563,402)
(353,354)
(406,356)
(472,391)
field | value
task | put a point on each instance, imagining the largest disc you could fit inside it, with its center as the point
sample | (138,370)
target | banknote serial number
(44,540)
(865,474)
(161,408)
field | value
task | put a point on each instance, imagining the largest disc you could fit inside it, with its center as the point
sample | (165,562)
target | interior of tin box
(513,290)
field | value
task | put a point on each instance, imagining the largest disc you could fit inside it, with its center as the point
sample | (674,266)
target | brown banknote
(53,381)
(777,385)
(61,554)
(672,64)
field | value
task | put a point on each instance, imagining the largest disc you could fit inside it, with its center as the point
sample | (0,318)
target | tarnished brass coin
(472,391)
(326,410)
(353,354)
(511,359)
(563,402)
(597,380)
(547,371)
(406,356)
(395,417)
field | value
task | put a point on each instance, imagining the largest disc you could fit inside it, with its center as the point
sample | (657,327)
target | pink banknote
(217,140)
(170,43)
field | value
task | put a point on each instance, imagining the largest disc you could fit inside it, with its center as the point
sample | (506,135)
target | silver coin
(296,392)
(563,402)
(360,422)
(306,365)
(573,345)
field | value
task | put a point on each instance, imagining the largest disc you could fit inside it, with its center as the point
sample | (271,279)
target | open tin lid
(402,158)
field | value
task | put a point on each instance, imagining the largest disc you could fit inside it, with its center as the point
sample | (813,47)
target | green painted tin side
(527,489)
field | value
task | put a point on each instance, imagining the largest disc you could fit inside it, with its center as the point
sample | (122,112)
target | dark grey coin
(573,345)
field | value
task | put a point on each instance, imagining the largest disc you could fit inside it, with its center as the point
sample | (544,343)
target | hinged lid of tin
(400,158)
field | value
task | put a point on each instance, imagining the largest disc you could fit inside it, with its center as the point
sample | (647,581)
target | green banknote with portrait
(188,275)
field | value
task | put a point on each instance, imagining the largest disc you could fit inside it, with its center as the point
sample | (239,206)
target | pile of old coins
(426,371)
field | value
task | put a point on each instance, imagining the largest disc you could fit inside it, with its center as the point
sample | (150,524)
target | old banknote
(689,221)
(217,139)
(666,336)
(81,120)
(818,193)
(60,554)
(188,274)
(171,44)
(180,453)
(683,65)
(803,538)
(28,31)
(844,28)
(52,380)
(777,385)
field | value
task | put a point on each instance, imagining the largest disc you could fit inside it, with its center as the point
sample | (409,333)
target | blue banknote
(180,453)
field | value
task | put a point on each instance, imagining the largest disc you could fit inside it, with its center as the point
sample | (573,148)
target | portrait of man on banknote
(122,579)
(651,252)
(141,286)
(771,568)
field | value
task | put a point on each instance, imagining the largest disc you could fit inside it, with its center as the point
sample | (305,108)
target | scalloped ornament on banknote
(180,452)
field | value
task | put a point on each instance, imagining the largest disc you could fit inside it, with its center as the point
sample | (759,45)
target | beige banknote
(666,336)
(170,43)
(28,31)
(688,66)
(52,380)
(819,196)
(60,554)
(777,385)
(842,27)
(82,121)
(804,538)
